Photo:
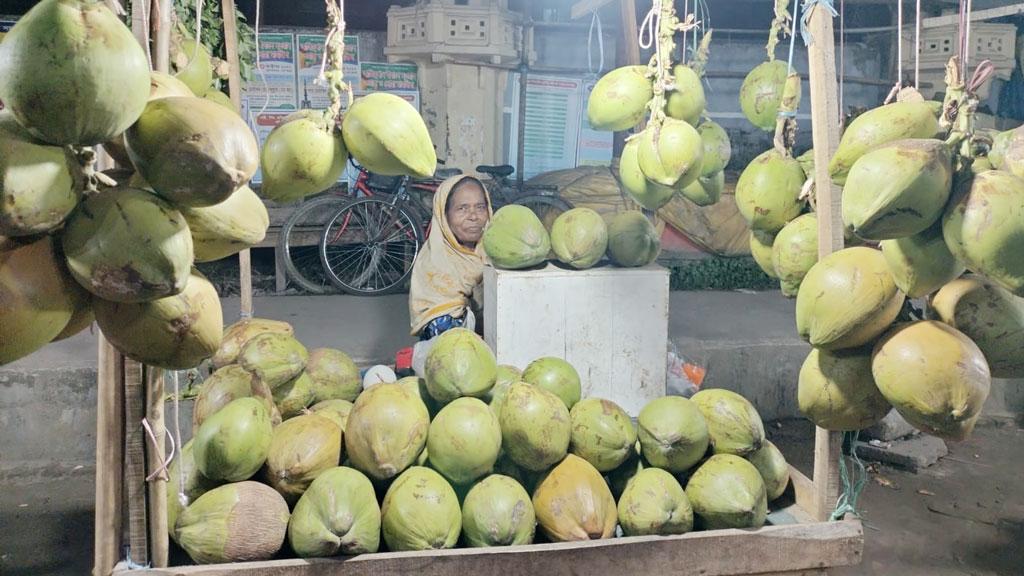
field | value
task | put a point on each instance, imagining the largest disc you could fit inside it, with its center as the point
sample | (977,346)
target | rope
(199,29)
(686,10)
(595,19)
(853,481)
(792,35)
(259,63)
(899,44)
(967,35)
(805,20)
(917,47)
(162,471)
(842,57)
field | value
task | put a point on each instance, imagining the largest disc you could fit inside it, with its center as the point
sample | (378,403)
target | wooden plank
(789,549)
(628,54)
(803,489)
(109,457)
(825,134)
(976,15)
(161,25)
(155,454)
(135,463)
(584,7)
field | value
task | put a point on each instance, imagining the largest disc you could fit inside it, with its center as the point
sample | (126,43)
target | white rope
(686,11)
(899,46)
(917,47)
(145,32)
(649,29)
(199,29)
(595,19)
(967,38)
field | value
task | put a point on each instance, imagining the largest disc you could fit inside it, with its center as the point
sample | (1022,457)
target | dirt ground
(963,516)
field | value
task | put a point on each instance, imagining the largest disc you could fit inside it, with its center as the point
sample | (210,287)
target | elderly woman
(445,291)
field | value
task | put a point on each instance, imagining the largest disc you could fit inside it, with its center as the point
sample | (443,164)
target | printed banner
(311,55)
(383,77)
(595,147)
(274,88)
(552,123)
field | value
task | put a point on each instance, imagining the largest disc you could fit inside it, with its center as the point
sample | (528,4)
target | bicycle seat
(501,171)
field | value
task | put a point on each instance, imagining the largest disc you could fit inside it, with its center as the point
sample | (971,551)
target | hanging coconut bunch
(765,87)
(306,153)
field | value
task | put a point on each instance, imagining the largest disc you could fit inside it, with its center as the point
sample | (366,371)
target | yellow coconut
(686,100)
(300,450)
(761,244)
(227,228)
(847,299)
(896,121)
(650,195)
(619,99)
(922,263)
(387,136)
(989,315)
(794,252)
(573,502)
(236,335)
(386,430)
(934,375)
(837,392)
(303,155)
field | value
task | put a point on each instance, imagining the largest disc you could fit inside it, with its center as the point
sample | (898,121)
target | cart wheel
(299,243)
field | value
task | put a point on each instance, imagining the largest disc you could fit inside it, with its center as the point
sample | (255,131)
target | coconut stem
(89,177)
(781,24)
(335,53)
(661,63)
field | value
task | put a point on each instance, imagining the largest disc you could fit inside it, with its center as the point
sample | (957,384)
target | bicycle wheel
(547,208)
(299,243)
(368,246)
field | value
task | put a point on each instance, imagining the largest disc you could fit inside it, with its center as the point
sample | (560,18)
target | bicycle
(542,199)
(301,233)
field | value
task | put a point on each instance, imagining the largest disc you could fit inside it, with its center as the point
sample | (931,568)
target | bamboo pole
(155,454)
(135,463)
(109,457)
(825,133)
(235,91)
(629,54)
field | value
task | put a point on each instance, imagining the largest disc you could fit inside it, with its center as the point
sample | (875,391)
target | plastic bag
(683,377)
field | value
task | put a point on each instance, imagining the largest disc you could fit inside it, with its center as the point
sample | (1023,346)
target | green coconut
(556,376)
(984,228)
(650,195)
(761,93)
(717,148)
(574,503)
(459,364)
(934,376)
(192,65)
(505,376)
(240,522)
(303,155)
(301,449)
(734,426)
(192,151)
(420,512)
(236,335)
(619,99)
(337,410)
(164,85)
(773,467)
(516,238)
(990,316)
(218,97)
(761,248)
(535,427)
(418,387)
(73,73)
(227,228)
(922,263)
(275,357)
(602,433)
(768,191)
(806,161)
(686,100)
(673,433)
(497,511)
(387,136)
(184,479)
(38,297)
(654,504)
(837,391)
(386,431)
(705,191)
(37,190)
(464,441)
(1007,152)
(671,154)
(81,318)
(888,123)
(898,189)
(579,238)
(619,478)
(847,299)
(294,396)
(794,252)
(632,239)
(334,375)
(337,515)
(226,385)
(232,444)
(728,492)
(174,332)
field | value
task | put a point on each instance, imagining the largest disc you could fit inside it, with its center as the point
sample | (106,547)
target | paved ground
(964,516)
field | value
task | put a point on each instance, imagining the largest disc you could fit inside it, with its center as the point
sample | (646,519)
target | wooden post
(135,463)
(629,53)
(161,25)
(109,457)
(157,489)
(825,133)
(523,73)
(235,91)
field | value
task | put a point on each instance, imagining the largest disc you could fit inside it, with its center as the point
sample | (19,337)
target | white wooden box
(610,323)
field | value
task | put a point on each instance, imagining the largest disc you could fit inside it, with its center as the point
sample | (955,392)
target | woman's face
(467,213)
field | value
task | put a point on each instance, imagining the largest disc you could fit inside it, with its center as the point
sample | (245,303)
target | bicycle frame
(399,194)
